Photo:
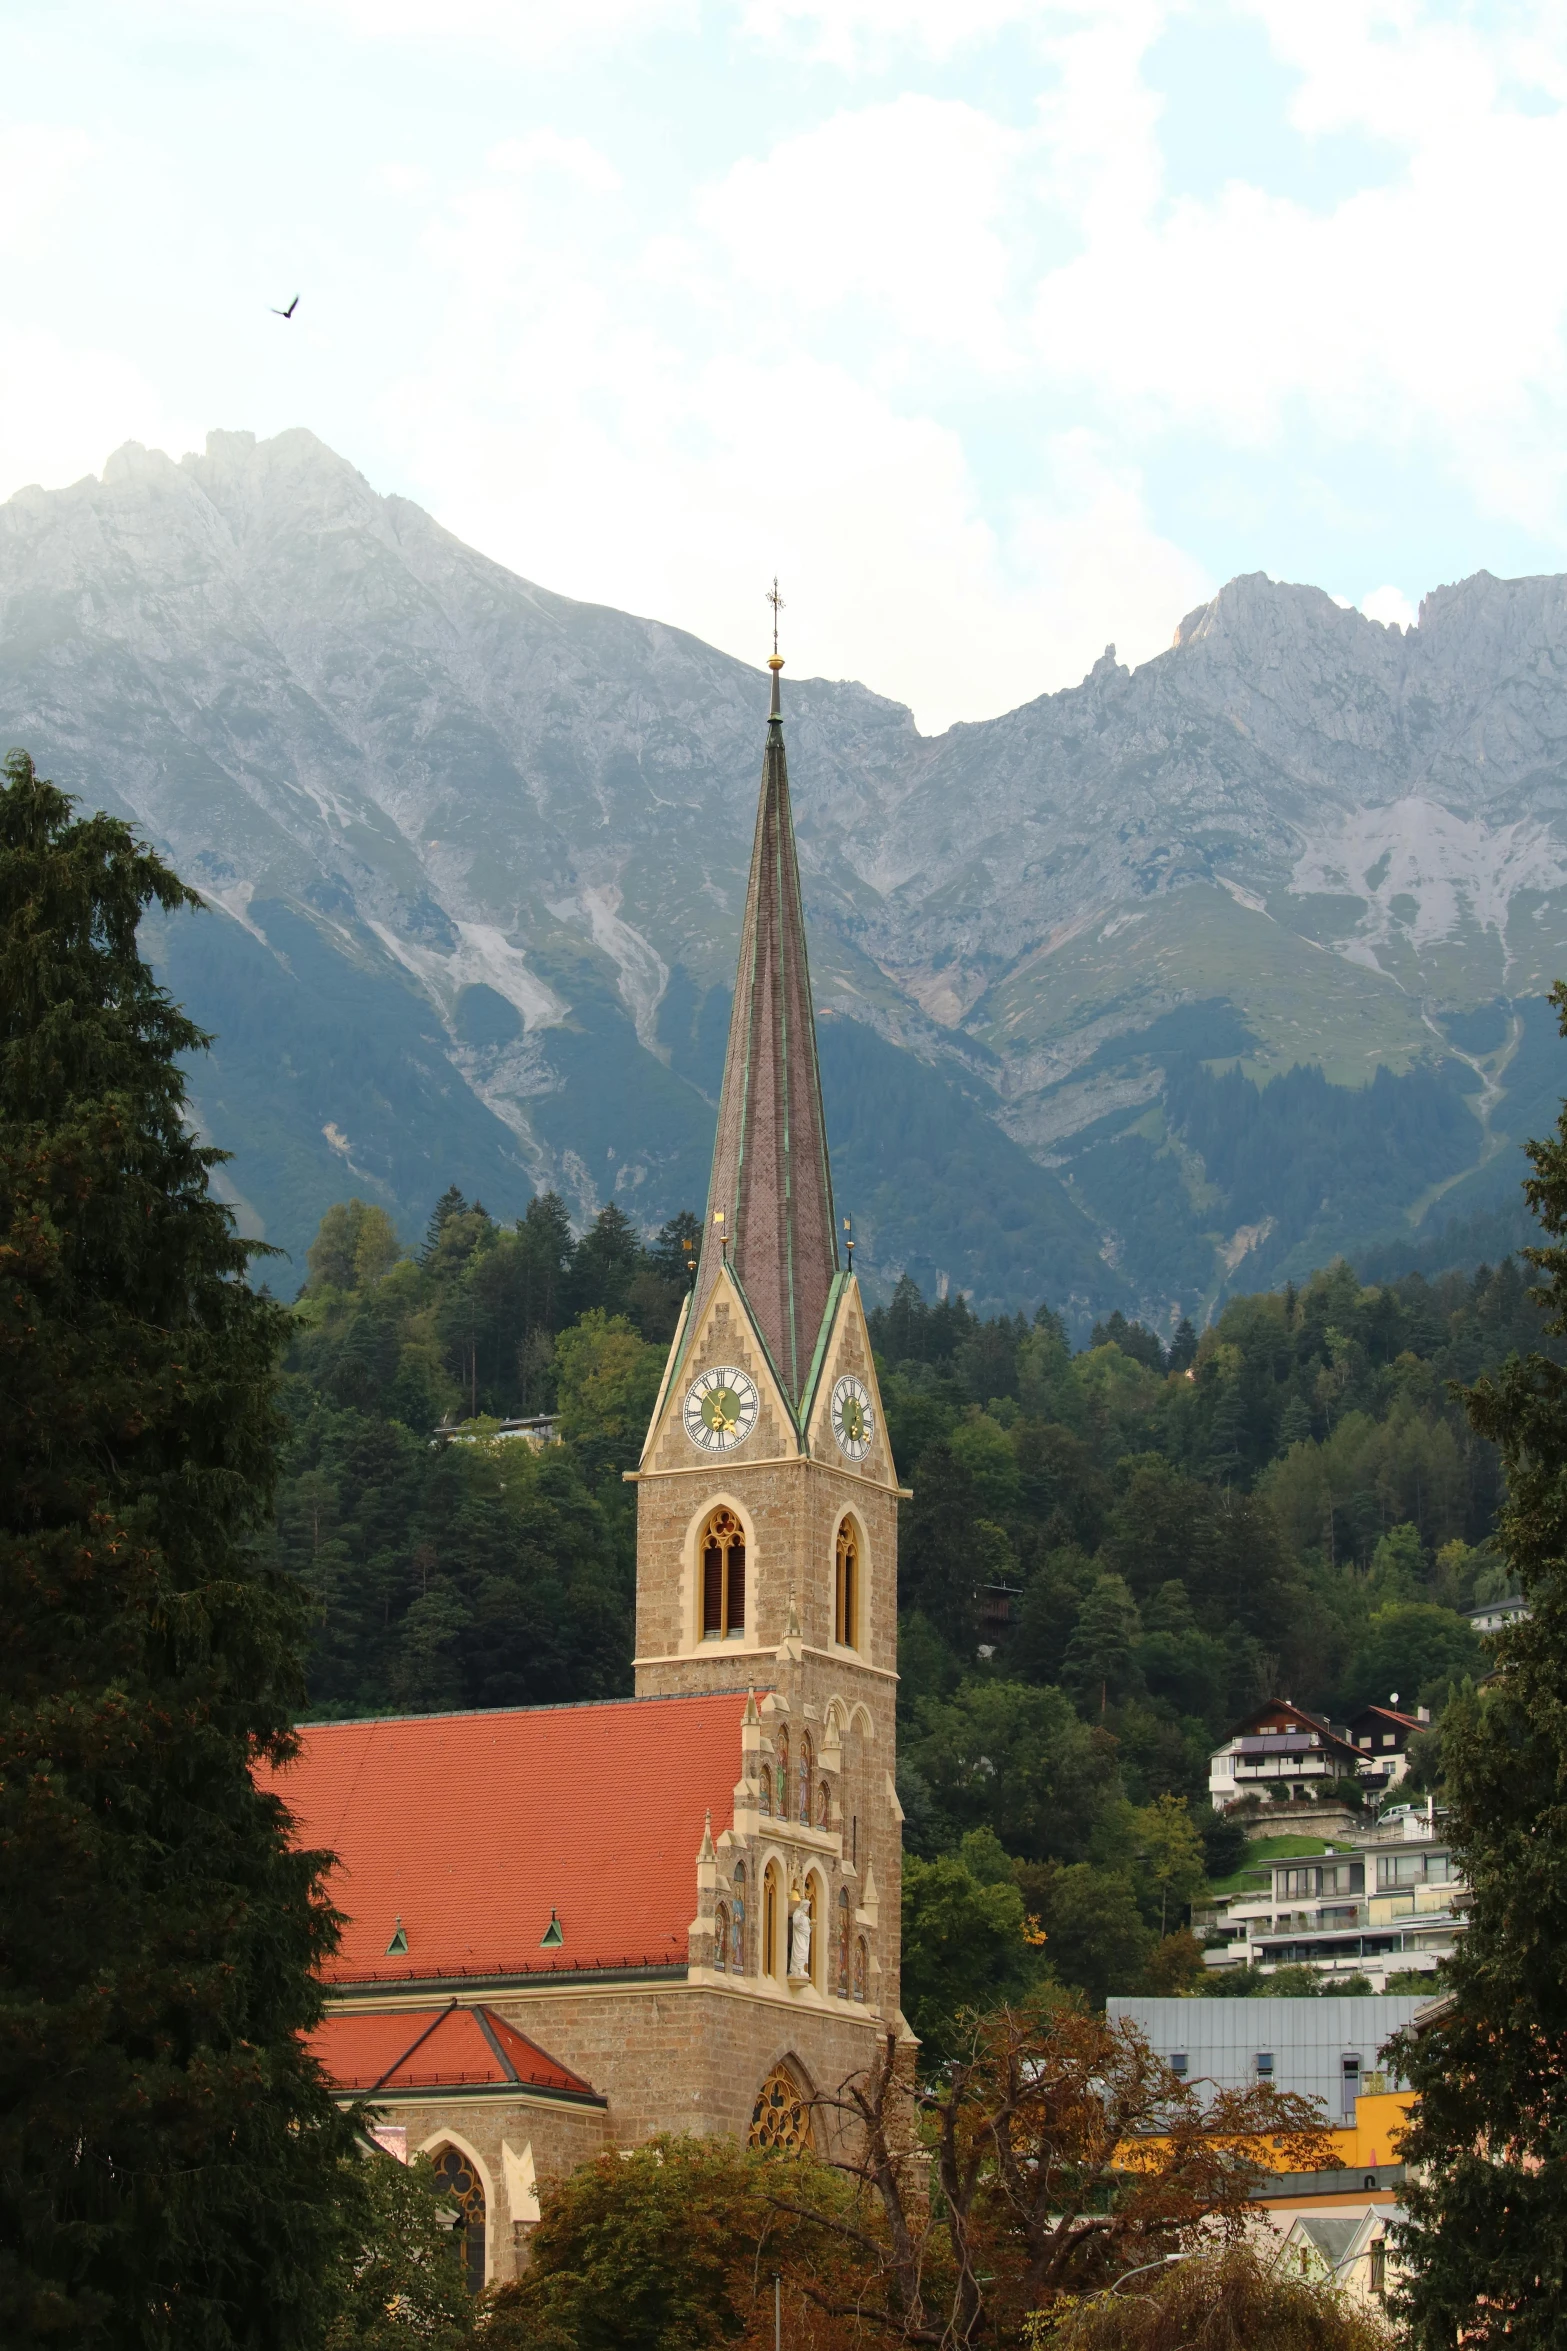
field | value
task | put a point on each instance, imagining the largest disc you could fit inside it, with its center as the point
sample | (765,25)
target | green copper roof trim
(677,1355)
(760,1337)
(835,1298)
(684,1335)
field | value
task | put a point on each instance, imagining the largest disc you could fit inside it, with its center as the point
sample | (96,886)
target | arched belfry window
(723,1578)
(846,1605)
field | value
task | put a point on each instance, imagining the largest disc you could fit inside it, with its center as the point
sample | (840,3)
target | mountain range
(1180,980)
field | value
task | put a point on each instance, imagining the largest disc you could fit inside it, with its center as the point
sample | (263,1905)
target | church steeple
(769,1202)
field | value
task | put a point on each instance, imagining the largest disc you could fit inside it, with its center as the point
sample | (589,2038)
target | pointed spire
(769,1204)
(705,1851)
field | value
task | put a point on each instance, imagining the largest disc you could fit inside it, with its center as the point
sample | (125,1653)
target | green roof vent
(397,1948)
(553,1936)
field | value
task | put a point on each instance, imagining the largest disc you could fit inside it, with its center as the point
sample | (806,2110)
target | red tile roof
(435,2048)
(472,1828)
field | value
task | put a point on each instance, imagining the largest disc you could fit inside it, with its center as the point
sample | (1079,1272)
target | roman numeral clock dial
(720,1409)
(853,1419)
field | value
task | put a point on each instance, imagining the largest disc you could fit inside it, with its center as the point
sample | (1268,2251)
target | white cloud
(526,28)
(602,448)
(44,164)
(1430,310)
(574,159)
(899,207)
(845,32)
(1390,606)
(62,407)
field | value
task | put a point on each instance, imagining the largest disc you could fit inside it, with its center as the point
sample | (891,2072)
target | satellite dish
(1392,1697)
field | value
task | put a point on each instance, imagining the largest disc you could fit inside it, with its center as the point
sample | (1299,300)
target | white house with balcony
(1280,1751)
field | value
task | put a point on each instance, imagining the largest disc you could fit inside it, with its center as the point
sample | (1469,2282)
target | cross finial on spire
(775,664)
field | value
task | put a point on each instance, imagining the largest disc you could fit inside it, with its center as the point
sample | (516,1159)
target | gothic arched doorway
(781,2116)
(456,2173)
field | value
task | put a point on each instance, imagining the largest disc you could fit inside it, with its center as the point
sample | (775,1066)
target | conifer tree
(1487,2248)
(168,2154)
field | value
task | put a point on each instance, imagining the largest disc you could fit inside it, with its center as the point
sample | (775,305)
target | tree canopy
(168,2153)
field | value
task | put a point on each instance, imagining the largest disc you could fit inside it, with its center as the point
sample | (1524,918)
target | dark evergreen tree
(169,2159)
(1487,2242)
(676,1246)
(450,1204)
(607,1261)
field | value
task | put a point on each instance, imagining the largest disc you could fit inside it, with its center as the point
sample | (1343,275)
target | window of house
(723,1578)
(1351,2073)
(1390,1738)
(1376,2253)
(846,1606)
(1265,2065)
(1178,2064)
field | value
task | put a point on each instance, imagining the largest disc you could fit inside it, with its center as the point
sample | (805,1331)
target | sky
(999,332)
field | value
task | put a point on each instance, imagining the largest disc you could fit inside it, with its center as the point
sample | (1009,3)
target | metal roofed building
(1322,2048)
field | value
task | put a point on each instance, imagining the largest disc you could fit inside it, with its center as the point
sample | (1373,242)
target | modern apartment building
(1389,1902)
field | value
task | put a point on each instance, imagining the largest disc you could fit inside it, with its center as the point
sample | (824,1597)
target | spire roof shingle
(770,1174)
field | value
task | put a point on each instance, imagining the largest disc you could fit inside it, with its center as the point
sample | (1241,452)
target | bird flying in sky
(289,312)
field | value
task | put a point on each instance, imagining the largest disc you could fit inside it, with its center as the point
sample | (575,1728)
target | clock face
(853,1421)
(720,1409)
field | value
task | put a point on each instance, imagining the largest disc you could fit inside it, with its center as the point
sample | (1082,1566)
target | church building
(570,1927)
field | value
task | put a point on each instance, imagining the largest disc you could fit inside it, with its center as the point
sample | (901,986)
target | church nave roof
(543,1840)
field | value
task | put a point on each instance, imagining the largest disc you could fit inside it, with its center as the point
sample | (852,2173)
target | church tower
(767,1500)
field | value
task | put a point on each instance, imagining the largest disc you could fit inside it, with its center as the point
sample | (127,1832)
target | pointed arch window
(764,1799)
(781,2116)
(824,1803)
(807,1774)
(723,1578)
(841,1961)
(457,2175)
(846,1602)
(721,1932)
(737,1928)
(772,1903)
(782,1744)
(862,1968)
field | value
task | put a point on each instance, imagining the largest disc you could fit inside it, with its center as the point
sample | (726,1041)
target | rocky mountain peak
(475,856)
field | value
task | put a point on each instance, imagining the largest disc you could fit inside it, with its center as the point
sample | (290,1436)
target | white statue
(800,1940)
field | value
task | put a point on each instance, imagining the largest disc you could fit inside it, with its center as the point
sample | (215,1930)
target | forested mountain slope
(1110,1552)
(1176,981)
